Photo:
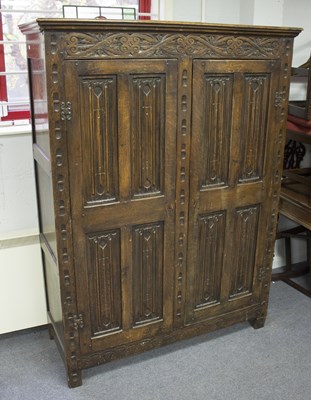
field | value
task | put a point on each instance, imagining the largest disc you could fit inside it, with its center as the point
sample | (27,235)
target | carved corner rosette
(132,44)
(263,273)
(280,97)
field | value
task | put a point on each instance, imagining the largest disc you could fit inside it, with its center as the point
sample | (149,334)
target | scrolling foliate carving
(280,96)
(153,44)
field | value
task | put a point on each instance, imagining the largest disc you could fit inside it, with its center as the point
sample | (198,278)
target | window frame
(144,7)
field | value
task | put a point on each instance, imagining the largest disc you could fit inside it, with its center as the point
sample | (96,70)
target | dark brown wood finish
(164,155)
(124,181)
(229,173)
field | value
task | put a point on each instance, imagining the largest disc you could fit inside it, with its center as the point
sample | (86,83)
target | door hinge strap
(65,111)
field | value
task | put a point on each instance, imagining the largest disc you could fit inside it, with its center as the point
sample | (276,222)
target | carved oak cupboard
(158,152)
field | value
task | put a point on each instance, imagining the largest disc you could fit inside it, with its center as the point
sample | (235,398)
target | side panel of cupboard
(43,173)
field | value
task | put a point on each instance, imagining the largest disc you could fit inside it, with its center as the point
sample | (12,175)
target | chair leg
(309,255)
(288,254)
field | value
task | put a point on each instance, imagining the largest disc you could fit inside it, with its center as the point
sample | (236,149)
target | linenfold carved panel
(244,245)
(99,139)
(254,123)
(148,246)
(211,249)
(147,133)
(216,128)
(154,44)
(104,270)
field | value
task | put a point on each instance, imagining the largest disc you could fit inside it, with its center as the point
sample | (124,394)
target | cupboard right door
(233,128)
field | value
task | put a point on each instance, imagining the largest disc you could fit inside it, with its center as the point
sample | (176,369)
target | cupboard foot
(258,323)
(74,378)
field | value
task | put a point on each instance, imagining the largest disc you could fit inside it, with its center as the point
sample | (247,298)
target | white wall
(222,12)
(185,10)
(18,214)
(247,11)
(22,297)
(268,12)
(298,13)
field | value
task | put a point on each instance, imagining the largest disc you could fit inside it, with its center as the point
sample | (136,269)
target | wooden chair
(295,197)
(302,108)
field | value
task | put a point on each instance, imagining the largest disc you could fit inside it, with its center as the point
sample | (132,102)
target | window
(14,96)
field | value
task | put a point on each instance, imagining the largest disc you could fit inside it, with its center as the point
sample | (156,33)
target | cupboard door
(122,145)
(230,204)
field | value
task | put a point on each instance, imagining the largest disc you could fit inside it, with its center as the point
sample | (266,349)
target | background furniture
(158,148)
(295,204)
(295,198)
(302,108)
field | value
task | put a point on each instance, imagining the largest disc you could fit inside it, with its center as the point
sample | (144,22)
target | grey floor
(235,363)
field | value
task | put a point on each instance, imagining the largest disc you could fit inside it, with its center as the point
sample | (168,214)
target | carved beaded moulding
(143,44)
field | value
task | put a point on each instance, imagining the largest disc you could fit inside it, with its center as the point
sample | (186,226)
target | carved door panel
(122,141)
(230,172)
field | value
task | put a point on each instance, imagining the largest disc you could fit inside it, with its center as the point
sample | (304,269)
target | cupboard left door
(121,127)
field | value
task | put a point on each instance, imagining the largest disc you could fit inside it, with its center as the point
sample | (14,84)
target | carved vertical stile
(59,160)
(254,123)
(147,134)
(278,145)
(148,247)
(182,187)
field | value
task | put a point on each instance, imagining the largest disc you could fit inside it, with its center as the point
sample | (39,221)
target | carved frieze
(100,44)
